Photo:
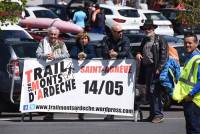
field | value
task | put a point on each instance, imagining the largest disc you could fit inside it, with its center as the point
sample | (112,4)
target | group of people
(153,56)
(90,18)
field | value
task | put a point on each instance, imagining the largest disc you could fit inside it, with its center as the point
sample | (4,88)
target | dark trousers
(192,117)
(153,91)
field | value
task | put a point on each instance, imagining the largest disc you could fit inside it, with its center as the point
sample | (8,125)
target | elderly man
(51,48)
(152,55)
(116,46)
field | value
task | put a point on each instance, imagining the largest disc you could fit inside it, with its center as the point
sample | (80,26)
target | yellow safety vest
(187,81)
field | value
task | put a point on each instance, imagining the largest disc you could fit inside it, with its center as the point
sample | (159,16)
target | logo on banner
(48,81)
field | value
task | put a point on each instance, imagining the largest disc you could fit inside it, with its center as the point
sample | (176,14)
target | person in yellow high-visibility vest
(187,90)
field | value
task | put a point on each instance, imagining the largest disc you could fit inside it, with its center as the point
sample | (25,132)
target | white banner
(89,86)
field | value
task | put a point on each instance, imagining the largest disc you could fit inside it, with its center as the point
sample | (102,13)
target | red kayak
(44,23)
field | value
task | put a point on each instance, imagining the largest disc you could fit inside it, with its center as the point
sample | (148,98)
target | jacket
(59,49)
(88,49)
(167,78)
(159,50)
(122,47)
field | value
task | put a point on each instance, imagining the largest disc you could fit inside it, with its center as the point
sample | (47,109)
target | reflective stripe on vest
(187,81)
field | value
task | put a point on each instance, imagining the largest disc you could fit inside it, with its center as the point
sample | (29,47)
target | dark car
(13,52)
(65,12)
(180,27)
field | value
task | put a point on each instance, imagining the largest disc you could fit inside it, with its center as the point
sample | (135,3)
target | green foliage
(10,11)
(192,14)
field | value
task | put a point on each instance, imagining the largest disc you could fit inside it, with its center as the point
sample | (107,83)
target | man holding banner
(117,46)
(51,48)
(79,86)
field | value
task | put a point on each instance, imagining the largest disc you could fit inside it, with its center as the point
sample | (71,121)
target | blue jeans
(192,117)
(154,92)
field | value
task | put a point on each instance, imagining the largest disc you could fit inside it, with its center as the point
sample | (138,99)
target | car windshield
(155,16)
(13,34)
(24,50)
(45,14)
(128,13)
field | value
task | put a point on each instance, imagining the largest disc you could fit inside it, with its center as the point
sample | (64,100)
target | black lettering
(62,67)
(60,79)
(54,76)
(61,87)
(48,71)
(49,81)
(37,73)
(42,83)
(56,68)
(45,92)
(67,85)
(57,89)
(51,90)
(31,97)
(73,84)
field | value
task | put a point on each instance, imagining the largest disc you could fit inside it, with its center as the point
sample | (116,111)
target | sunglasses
(148,28)
(118,31)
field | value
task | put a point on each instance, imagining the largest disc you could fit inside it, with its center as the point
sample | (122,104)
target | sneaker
(81,116)
(48,117)
(157,120)
(109,118)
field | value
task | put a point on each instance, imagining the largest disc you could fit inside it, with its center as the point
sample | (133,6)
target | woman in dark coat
(83,50)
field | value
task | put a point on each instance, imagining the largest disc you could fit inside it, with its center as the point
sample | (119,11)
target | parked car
(13,31)
(60,10)
(13,51)
(164,25)
(39,12)
(127,17)
(179,26)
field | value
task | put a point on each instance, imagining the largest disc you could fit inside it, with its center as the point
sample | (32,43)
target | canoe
(44,23)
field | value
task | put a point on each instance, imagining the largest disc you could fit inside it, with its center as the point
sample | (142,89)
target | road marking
(128,119)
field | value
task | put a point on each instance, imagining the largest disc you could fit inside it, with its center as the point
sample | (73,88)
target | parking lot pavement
(176,112)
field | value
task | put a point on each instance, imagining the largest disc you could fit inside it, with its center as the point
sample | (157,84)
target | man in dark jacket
(152,55)
(116,46)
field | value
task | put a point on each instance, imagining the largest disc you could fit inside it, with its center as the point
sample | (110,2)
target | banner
(89,86)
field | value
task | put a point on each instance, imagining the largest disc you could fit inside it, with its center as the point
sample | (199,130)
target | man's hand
(113,54)
(188,98)
(82,56)
(139,57)
(50,56)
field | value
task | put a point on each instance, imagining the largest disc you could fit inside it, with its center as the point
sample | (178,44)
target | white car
(164,25)
(14,31)
(127,17)
(39,12)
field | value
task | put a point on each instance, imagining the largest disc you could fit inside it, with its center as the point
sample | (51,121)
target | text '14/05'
(109,87)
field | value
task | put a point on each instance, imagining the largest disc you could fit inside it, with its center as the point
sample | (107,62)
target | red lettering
(28,74)
(35,85)
(40,96)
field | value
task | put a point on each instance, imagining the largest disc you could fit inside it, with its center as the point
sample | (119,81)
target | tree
(11,11)
(192,15)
